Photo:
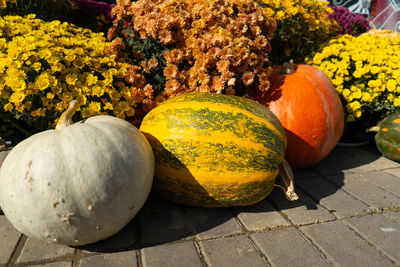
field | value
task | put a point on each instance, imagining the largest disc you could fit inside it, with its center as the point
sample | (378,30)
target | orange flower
(171,71)
(223,66)
(260,43)
(172,86)
(218,84)
(248,78)
(173,56)
(152,63)
(138,95)
(148,91)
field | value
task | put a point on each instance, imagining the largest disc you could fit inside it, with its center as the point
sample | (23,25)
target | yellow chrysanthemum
(8,107)
(364,67)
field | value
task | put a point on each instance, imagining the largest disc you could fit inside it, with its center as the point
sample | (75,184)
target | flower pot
(354,135)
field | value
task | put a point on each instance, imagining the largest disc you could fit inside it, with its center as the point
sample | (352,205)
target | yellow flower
(366,96)
(42,81)
(346,92)
(50,95)
(391,85)
(82,99)
(94,107)
(97,91)
(108,106)
(37,66)
(91,79)
(396,102)
(71,78)
(8,107)
(38,112)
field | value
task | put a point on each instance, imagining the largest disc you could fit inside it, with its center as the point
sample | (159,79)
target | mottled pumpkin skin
(214,150)
(388,137)
(310,111)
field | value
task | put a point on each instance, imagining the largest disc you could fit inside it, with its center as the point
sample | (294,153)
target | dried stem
(287,178)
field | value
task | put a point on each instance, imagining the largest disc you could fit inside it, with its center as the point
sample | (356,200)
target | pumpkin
(387,138)
(214,150)
(305,101)
(79,183)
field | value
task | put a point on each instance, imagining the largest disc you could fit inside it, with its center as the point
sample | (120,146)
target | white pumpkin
(79,183)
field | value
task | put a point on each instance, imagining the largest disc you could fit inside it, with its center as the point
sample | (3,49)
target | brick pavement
(348,215)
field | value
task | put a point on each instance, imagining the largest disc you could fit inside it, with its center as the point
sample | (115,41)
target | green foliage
(143,49)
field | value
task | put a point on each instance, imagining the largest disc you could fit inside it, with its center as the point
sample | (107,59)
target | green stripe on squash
(214,150)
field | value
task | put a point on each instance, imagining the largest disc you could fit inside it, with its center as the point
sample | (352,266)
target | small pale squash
(79,183)
(387,138)
(215,150)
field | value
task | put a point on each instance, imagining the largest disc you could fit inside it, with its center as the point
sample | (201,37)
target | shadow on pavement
(162,221)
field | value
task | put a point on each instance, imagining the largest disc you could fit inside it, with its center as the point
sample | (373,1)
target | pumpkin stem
(66,117)
(288,67)
(287,179)
(373,129)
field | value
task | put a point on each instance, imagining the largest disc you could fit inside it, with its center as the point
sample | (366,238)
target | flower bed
(366,73)
(44,65)
(182,46)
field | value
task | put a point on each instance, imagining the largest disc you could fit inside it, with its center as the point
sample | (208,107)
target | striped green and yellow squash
(387,138)
(214,150)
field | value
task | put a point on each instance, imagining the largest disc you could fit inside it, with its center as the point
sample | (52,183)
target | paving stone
(395,171)
(366,191)
(260,216)
(330,196)
(302,211)
(212,223)
(384,163)
(383,179)
(380,231)
(342,160)
(394,216)
(162,221)
(58,264)
(126,258)
(231,251)
(179,254)
(304,173)
(343,246)
(287,247)
(35,250)
(326,167)
(353,159)
(125,239)
(9,238)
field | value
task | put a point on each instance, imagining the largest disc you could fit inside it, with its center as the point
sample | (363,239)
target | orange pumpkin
(305,101)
